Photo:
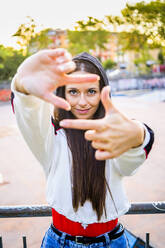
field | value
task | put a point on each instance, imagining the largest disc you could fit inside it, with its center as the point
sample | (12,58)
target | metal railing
(43,210)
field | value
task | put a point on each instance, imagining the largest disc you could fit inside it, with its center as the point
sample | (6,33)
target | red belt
(76,229)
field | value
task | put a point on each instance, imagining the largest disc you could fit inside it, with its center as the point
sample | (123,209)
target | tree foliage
(132,41)
(10,59)
(25,33)
(90,24)
(88,35)
(28,38)
(161,57)
(85,41)
(150,18)
(40,40)
(109,64)
(146,19)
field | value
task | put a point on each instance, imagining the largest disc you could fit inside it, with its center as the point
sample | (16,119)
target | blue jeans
(52,240)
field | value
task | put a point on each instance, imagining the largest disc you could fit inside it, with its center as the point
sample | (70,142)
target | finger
(100,145)
(106,100)
(93,135)
(56,101)
(65,67)
(62,59)
(83,78)
(90,135)
(103,155)
(81,124)
(54,53)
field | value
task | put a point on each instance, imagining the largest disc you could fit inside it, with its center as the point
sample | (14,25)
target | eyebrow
(71,88)
(75,88)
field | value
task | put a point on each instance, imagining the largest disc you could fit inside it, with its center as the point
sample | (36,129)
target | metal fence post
(24,242)
(1,246)
(147,240)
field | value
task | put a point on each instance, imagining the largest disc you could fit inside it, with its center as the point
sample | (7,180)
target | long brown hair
(88,174)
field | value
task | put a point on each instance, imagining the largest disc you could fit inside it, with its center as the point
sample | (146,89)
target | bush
(109,64)
(10,59)
(10,65)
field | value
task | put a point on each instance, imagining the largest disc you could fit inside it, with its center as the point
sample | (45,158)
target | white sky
(52,13)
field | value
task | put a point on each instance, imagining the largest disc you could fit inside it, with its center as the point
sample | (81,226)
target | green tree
(90,24)
(132,41)
(25,33)
(161,58)
(141,60)
(85,41)
(87,35)
(40,40)
(143,26)
(147,19)
(5,51)
(109,64)
(10,59)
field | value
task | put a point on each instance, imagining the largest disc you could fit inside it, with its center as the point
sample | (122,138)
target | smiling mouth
(83,111)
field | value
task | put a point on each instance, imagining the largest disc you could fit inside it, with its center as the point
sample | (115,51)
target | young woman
(84,169)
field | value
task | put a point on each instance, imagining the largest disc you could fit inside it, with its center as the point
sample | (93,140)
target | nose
(82,100)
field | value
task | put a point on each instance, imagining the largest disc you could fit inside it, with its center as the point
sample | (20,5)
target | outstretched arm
(43,72)
(112,135)
(33,86)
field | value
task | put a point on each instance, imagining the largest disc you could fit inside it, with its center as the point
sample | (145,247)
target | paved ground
(25,182)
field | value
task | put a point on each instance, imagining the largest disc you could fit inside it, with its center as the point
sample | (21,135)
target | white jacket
(34,120)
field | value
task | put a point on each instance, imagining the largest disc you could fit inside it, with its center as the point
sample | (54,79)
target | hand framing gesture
(43,72)
(112,135)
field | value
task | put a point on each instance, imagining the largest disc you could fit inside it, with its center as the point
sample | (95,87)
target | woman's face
(84,98)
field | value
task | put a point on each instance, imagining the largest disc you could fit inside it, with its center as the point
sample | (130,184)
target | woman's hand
(112,135)
(43,72)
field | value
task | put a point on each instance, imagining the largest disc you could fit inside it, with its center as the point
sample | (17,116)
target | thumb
(106,100)
(56,101)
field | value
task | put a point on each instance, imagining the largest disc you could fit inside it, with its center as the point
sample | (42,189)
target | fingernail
(63,124)
(68,108)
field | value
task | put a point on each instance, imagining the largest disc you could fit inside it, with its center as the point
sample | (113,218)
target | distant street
(22,180)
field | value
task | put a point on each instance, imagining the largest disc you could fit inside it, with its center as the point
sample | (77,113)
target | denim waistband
(114,234)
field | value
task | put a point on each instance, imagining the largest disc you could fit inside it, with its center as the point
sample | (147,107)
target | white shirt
(34,120)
